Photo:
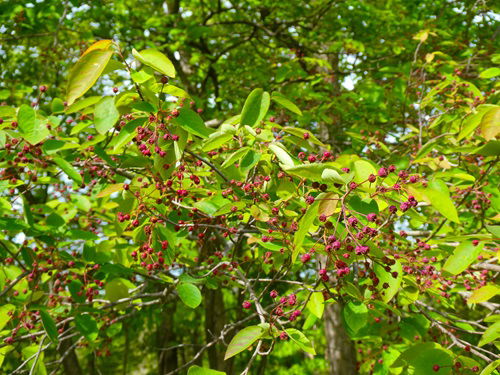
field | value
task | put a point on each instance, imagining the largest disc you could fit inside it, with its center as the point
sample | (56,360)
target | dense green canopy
(249,187)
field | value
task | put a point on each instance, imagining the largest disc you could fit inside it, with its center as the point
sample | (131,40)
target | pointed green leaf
(331,175)
(86,72)
(87,326)
(483,294)
(189,294)
(192,122)
(463,255)
(301,340)
(33,130)
(197,370)
(355,317)
(490,73)
(387,278)
(36,362)
(282,155)
(69,170)
(105,114)
(156,60)
(50,326)
(255,107)
(243,339)
(298,132)
(5,310)
(286,103)
(216,140)
(491,334)
(304,225)
(316,304)
(490,124)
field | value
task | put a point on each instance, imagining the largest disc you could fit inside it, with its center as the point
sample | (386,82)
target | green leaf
(386,277)
(189,294)
(490,73)
(491,334)
(75,286)
(255,108)
(33,130)
(492,148)
(312,171)
(438,195)
(69,170)
(327,204)
(192,122)
(420,359)
(243,339)
(301,340)
(4,314)
(282,154)
(331,175)
(3,351)
(81,202)
(363,169)
(298,132)
(483,294)
(304,225)
(463,255)
(490,124)
(30,352)
(285,102)
(117,289)
(127,133)
(491,367)
(87,326)
(216,140)
(235,156)
(494,230)
(82,104)
(144,106)
(175,91)
(472,121)
(355,317)
(156,60)
(316,304)
(57,105)
(363,206)
(105,114)
(86,72)
(50,326)
(249,160)
(197,370)
(110,189)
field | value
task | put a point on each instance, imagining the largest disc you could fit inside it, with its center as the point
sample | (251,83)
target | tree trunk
(70,361)
(340,351)
(167,359)
(214,322)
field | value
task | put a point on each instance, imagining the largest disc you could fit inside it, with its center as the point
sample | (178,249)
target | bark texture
(70,362)
(340,351)
(167,359)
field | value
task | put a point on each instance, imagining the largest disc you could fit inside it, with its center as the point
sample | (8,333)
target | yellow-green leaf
(316,304)
(490,124)
(156,60)
(285,102)
(86,72)
(483,294)
(69,170)
(243,339)
(33,130)
(463,255)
